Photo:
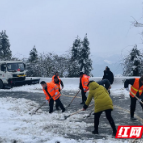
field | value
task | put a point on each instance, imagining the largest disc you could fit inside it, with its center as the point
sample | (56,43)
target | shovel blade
(66,117)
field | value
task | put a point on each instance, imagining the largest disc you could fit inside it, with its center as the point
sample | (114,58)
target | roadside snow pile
(119,92)
(17,125)
(25,88)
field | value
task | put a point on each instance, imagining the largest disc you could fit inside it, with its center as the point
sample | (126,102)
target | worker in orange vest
(58,82)
(52,94)
(56,74)
(136,90)
(84,80)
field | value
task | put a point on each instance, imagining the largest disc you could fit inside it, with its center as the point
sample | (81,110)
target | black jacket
(131,82)
(80,85)
(108,75)
(104,82)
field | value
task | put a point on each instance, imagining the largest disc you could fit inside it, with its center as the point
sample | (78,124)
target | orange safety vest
(53,77)
(135,88)
(53,91)
(58,84)
(84,82)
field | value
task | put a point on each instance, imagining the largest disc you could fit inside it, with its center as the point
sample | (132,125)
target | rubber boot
(95,132)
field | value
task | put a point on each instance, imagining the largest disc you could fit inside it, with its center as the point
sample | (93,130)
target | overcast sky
(52,25)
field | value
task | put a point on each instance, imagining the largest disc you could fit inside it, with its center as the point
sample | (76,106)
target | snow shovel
(75,112)
(73,99)
(89,113)
(137,98)
(37,108)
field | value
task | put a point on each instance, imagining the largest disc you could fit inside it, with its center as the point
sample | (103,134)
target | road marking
(71,96)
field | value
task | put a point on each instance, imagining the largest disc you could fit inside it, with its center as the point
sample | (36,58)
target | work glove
(85,107)
(127,89)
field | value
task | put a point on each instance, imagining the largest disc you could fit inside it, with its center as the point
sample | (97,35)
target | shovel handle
(90,113)
(136,97)
(76,112)
(73,114)
(73,99)
(38,108)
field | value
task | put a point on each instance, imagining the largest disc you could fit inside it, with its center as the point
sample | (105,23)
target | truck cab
(13,73)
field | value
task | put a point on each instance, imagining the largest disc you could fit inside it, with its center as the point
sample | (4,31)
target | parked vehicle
(13,73)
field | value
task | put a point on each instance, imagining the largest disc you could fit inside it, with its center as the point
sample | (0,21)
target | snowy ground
(18,126)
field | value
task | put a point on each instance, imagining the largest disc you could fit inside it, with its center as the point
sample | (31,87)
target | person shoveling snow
(52,94)
(103,102)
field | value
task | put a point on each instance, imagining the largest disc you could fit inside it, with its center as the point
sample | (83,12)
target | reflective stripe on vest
(135,88)
(53,91)
(132,93)
(56,96)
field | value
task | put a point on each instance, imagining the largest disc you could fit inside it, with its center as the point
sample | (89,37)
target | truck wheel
(1,84)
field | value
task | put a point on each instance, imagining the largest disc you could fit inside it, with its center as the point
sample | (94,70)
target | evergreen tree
(132,63)
(74,67)
(32,64)
(84,58)
(80,58)
(33,55)
(5,52)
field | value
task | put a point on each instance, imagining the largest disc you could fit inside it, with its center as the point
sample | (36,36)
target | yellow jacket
(101,97)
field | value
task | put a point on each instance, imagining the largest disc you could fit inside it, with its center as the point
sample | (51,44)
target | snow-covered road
(19,126)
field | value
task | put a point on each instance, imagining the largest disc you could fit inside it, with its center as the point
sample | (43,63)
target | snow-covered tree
(84,59)
(61,65)
(74,67)
(80,58)
(33,55)
(49,63)
(133,63)
(32,63)
(42,65)
(5,52)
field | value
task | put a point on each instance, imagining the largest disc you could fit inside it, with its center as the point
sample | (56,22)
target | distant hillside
(113,62)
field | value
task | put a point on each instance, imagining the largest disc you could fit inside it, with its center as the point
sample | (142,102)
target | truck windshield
(14,67)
